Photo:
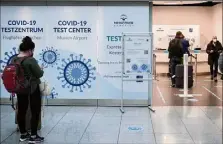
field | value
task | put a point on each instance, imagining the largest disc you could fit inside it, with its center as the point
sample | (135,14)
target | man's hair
(214,37)
(178,34)
(182,36)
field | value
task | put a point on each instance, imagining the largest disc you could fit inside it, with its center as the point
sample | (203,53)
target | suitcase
(179,79)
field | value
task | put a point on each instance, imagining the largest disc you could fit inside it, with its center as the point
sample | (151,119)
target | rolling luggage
(180,76)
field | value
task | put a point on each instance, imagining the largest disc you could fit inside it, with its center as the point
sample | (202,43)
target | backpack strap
(21,60)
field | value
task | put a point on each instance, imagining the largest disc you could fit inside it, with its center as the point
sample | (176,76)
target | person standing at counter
(175,54)
(214,48)
(186,45)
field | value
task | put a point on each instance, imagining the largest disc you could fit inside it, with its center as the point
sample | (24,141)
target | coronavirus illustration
(7,59)
(53,93)
(144,67)
(134,67)
(76,73)
(49,57)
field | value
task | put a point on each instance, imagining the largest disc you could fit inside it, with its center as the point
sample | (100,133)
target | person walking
(214,48)
(33,73)
(175,54)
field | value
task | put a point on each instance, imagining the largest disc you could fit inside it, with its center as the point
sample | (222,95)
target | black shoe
(216,79)
(173,85)
(222,77)
(35,139)
(212,78)
(24,137)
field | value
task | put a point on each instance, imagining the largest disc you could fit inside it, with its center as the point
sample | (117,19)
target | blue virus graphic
(53,94)
(144,67)
(134,67)
(77,73)
(7,59)
(49,57)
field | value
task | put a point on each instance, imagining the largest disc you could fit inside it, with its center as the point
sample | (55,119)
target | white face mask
(214,40)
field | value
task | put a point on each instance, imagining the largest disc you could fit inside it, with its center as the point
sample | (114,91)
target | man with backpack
(22,77)
(175,54)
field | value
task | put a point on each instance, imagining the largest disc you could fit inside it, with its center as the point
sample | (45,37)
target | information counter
(162,61)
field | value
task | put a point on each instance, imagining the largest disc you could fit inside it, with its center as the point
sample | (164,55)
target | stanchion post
(185,94)
(196,67)
(185,74)
(185,63)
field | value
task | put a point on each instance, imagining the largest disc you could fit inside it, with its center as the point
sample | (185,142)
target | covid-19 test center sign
(81,46)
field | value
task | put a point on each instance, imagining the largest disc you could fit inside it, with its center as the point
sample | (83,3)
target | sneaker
(35,139)
(24,137)
(216,79)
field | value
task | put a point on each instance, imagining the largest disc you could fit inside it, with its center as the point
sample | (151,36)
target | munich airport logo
(129,39)
(190,29)
(123,22)
(159,30)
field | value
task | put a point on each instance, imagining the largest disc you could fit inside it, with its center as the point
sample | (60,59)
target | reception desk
(162,61)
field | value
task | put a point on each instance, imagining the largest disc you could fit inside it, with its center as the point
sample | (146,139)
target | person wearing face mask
(214,48)
(33,72)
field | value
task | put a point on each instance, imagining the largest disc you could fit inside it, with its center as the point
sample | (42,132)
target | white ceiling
(176,2)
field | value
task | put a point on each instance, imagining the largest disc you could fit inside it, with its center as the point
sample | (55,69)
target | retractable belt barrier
(195,64)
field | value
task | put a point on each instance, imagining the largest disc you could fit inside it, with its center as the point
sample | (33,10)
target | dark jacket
(220,63)
(32,69)
(175,48)
(185,44)
(217,48)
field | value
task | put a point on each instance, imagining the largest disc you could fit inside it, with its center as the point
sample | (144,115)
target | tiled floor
(106,125)
(176,120)
(206,93)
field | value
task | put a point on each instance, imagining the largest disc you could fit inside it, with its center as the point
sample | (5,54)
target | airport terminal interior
(108,70)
